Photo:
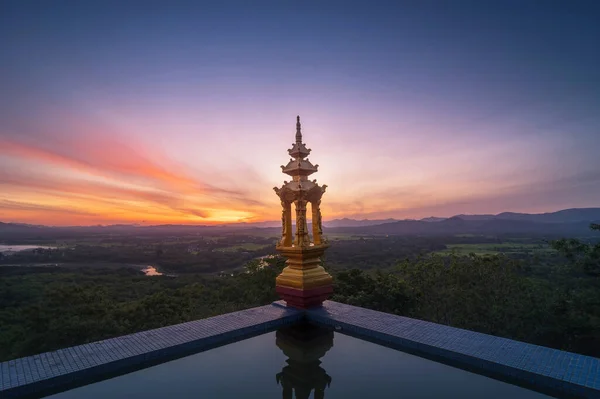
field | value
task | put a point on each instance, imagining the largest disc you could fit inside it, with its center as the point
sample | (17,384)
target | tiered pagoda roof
(299,167)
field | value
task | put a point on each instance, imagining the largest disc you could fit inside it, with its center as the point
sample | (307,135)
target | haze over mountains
(567,222)
(562,216)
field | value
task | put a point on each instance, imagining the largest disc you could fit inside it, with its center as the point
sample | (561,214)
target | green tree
(381,291)
(585,257)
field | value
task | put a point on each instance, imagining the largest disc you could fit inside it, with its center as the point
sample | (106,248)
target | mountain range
(566,222)
(564,216)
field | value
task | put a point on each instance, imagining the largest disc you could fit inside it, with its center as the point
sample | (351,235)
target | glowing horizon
(180,114)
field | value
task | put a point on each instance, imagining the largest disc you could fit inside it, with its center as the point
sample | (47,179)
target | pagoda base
(304,298)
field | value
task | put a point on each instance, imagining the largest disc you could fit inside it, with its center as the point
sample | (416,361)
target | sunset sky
(181,112)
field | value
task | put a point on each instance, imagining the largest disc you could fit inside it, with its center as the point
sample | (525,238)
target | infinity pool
(301,362)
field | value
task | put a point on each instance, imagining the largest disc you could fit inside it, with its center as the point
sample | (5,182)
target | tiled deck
(52,371)
(544,369)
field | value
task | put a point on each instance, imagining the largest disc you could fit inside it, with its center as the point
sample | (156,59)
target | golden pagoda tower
(303,283)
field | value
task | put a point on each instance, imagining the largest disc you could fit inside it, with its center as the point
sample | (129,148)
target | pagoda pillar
(286,223)
(302,238)
(317,226)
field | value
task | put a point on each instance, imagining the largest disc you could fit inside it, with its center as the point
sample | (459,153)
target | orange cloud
(25,206)
(103,158)
(108,179)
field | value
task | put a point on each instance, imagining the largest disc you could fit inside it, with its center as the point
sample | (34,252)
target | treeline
(555,304)
(493,295)
(379,252)
(43,309)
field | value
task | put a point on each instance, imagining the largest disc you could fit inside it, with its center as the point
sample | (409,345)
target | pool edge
(546,370)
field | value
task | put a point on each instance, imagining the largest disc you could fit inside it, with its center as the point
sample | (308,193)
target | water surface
(291,364)
(17,248)
(151,271)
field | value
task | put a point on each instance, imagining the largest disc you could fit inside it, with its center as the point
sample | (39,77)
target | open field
(341,237)
(248,246)
(210,254)
(495,248)
(78,265)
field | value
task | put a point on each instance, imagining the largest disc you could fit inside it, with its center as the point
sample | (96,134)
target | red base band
(304,299)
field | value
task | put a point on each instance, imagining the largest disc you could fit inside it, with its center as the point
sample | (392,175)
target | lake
(151,271)
(17,248)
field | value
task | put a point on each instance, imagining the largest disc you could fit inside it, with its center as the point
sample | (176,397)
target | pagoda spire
(298,131)
(299,167)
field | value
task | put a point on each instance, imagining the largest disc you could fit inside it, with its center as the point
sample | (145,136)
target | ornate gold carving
(283,222)
(316,222)
(304,279)
(287,212)
(304,270)
(302,238)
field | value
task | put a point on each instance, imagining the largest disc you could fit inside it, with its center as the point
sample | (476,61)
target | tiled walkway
(555,370)
(67,367)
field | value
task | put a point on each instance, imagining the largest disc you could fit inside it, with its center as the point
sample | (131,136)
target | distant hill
(476,217)
(564,216)
(432,219)
(270,223)
(566,223)
(456,225)
(17,227)
(345,222)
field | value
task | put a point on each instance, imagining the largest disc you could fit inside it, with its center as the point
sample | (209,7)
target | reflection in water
(304,345)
